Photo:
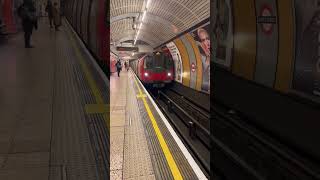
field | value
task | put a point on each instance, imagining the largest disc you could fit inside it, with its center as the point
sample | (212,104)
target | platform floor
(142,146)
(129,156)
(45,130)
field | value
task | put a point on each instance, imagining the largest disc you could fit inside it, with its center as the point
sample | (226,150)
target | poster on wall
(202,37)
(306,78)
(177,61)
(113,61)
(222,33)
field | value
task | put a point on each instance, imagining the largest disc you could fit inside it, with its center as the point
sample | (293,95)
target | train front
(158,69)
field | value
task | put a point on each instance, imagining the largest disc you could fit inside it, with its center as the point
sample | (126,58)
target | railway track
(190,121)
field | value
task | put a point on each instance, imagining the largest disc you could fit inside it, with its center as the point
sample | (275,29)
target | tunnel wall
(89,18)
(192,63)
(271,43)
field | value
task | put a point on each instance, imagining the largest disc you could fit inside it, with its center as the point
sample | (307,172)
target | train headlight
(169,74)
(146,74)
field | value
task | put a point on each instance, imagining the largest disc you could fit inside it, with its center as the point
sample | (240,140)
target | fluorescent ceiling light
(144,15)
(148,3)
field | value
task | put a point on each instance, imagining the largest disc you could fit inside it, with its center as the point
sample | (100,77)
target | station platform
(53,123)
(143,143)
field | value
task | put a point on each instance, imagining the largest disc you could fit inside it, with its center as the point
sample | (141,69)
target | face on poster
(306,76)
(201,36)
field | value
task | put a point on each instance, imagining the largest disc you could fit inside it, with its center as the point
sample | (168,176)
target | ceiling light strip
(143,16)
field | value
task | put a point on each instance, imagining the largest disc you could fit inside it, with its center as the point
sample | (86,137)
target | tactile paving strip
(99,139)
(79,141)
(98,132)
(137,160)
(105,90)
(160,165)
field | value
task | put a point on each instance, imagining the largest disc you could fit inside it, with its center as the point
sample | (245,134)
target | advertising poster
(177,61)
(306,78)
(223,33)
(113,61)
(202,37)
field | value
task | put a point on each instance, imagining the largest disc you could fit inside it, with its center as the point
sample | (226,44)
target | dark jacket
(27,13)
(118,65)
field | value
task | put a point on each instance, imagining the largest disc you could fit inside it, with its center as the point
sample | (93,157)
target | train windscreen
(158,62)
(162,61)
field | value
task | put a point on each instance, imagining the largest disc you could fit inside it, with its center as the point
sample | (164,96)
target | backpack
(22,12)
(118,65)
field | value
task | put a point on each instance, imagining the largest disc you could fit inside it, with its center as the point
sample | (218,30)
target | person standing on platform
(27,12)
(118,65)
(49,9)
(56,16)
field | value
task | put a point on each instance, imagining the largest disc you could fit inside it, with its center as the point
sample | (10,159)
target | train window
(148,62)
(158,61)
(162,60)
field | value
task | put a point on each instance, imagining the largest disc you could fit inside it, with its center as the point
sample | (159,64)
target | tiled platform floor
(130,157)
(43,129)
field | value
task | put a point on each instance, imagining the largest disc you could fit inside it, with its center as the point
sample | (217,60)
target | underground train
(154,69)
(91,22)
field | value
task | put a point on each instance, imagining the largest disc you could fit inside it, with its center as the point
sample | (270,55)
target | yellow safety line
(141,96)
(100,107)
(172,164)
(97,108)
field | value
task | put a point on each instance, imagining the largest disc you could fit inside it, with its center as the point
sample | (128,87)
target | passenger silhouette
(56,16)
(49,10)
(27,12)
(118,65)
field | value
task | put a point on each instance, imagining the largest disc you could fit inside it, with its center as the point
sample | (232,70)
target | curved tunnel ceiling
(164,19)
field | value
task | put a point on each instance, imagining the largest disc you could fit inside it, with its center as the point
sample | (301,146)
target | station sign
(193,67)
(267,19)
(134,49)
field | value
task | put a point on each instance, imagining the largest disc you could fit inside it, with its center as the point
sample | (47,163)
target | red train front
(154,69)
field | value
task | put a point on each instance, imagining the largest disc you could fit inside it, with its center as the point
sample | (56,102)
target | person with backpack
(49,9)
(27,12)
(118,65)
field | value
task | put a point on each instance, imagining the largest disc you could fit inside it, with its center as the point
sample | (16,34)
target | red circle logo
(266,11)
(193,67)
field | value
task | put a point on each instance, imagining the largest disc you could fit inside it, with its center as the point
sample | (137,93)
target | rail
(278,148)
(195,105)
(192,128)
(200,110)
(192,121)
